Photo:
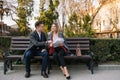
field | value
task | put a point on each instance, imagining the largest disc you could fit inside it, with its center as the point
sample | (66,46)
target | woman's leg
(60,54)
(66,71)
(55,56)
(62,62)
(62,70)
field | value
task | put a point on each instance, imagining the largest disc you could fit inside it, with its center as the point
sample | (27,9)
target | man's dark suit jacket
(36,42)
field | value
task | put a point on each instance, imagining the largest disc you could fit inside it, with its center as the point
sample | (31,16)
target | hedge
(104,49)
(4,44)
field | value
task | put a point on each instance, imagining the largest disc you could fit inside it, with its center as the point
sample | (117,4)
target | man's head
(39,26)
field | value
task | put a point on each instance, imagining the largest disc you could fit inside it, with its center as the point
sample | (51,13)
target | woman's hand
(50,42)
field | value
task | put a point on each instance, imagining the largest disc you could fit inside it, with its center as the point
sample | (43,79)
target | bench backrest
(19,43)
(22,43)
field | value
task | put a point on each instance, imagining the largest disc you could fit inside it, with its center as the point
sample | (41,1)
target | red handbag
(51,50)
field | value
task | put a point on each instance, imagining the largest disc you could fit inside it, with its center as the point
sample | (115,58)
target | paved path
(76,74)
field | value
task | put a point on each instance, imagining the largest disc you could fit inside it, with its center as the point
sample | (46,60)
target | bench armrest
(6,53)
(91,53)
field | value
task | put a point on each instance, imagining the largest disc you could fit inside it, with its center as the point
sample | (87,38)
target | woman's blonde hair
(57,27)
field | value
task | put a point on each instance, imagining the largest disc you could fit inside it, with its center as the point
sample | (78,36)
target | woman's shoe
(68,77)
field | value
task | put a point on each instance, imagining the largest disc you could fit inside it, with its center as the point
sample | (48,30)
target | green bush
(106,49)
(5,43)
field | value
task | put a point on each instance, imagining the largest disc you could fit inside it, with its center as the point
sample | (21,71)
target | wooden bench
(21,44)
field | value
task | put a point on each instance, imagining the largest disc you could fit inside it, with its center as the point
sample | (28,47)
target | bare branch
(101,4)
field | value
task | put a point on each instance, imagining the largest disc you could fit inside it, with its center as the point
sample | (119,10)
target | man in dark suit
(37,47)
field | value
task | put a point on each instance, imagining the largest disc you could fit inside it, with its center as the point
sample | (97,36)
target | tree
(86,27)
(23,11)
(48,16)
(83,7)
(101,4)
(85,10)
(79,27)
(17,32)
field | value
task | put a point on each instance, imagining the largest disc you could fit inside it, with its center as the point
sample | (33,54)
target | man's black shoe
(44,74)
(27,75)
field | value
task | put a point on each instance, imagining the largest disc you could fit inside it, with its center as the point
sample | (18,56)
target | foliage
(68,32)
(23,12)
(48,16)
(79,27)
(106,49)
(73,20)
(17,32)
(4,44)
(86,26)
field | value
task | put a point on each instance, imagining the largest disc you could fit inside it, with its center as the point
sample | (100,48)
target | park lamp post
(3,10)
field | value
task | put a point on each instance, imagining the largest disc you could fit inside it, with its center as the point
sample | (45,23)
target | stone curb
(81,67)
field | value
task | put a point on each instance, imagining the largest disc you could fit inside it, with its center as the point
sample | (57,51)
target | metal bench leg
(5,66)
(92,66)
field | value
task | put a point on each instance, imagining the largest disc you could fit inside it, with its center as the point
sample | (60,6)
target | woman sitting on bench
(57,43)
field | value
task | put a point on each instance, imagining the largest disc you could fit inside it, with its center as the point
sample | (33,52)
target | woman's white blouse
(57,40)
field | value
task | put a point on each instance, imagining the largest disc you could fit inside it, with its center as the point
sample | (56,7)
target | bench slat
(19,42)
(71,48)
(80,49)
(20,38)
(72,42)
(19,45)
(51,57)
(82,45)
(70,45)
(18,48)
(78,38)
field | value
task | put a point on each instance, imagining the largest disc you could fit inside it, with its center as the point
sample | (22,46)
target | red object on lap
(51,50)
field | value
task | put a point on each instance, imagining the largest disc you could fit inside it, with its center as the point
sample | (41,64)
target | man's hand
(43,50)
(50,41)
